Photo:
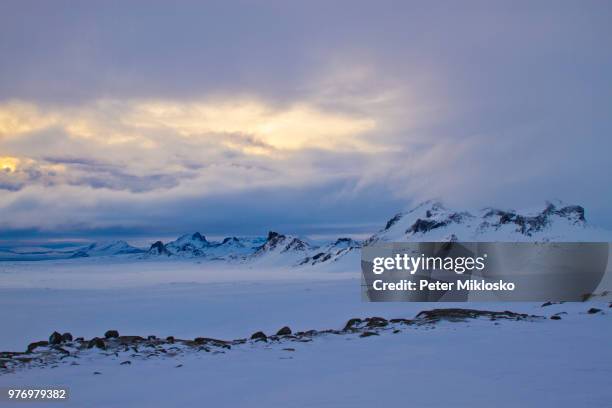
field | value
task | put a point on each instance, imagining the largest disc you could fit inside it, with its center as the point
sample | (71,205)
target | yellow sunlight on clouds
(295,127)
(18,118)
(300,126)
(8,164)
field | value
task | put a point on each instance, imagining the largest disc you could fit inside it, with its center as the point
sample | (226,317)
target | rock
(97,373)
(377,322)
(259,336)
(593,310)
(170,339)
(55,338)
(546,304)
(285,331)
(151,337)
(425,226)
(458,314)
(368,334)
(396,331)
(158,248)
(351,324)
(130,339)
(66,337)
(96,342)
(111,334)
(555,317)
(402,321)
(32,346)
(79,339)
(179,366)
(212,342)
(289,349)
(127,362)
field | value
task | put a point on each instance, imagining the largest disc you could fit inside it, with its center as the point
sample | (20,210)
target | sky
(134,118)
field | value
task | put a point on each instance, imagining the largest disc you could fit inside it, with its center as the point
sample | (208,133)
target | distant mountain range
(429,221)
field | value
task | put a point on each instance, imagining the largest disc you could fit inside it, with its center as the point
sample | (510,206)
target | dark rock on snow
(111,334)
(351,324)
(259,336)
(55,338)
(36,344)
(96,342)
(377,322)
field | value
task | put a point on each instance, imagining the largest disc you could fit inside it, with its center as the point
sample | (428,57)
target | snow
(549,363)
(477,363)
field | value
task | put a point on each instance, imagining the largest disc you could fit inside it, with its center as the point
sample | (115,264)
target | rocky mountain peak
(158,248)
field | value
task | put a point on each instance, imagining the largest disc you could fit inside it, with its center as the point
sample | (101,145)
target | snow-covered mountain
(332,252)
(429,221)
(98,249)
(106,249)
(432,221)
(281,250)
(196,245)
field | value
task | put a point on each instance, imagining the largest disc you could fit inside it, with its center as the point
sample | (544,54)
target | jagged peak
(158,248)
(273,235)
(196,236)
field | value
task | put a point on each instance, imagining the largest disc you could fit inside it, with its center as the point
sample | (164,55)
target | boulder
(259,336)
(285,331)
(66,337)
(55,338)
(111,334)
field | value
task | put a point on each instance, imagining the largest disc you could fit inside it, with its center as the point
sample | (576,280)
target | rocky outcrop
(332,252)
(158,248)
(281,244)
(43,353)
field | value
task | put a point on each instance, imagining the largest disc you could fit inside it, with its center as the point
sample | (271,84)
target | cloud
(114,118)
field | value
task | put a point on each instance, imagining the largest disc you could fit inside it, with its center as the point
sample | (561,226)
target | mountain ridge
(428,221)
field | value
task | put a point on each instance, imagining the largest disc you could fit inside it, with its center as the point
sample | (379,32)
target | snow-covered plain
(476,363)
